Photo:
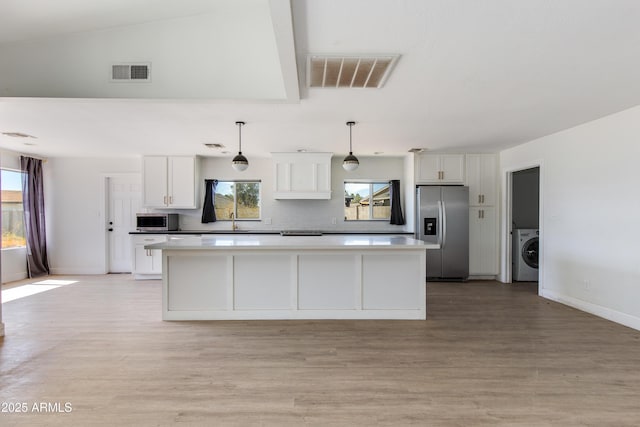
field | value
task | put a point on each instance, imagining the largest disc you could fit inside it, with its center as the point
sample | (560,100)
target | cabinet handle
(479,198)
(482,213)
(165,200)
(479,214)
(442,175)
(170,200)
(483,198)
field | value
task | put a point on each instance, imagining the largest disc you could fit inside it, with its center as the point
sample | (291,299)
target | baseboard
(598,310)
(489,277)
(13,277)
(61,271)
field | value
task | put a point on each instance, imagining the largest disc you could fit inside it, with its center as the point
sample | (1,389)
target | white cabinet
(440,169)
(169,182)
(147,263)
(482,173)
(483,241)
(302,175)
(481,179)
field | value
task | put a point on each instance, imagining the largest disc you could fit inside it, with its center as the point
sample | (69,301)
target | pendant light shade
(350,163)
(240,162)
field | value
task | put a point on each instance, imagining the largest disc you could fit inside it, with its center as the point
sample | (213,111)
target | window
(366,201)
(12,211)
(240,198)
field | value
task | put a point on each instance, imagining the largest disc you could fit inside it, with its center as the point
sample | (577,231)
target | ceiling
(471,76)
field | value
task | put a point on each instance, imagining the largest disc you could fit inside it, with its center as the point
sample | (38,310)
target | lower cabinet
(483,241)
(147,263)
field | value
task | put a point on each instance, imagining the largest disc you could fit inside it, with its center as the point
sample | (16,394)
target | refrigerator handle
(444,224)
(441,228)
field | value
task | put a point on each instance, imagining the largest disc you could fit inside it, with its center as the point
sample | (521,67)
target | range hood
(302,175)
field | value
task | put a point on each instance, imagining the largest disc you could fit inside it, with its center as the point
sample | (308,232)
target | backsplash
(296,214)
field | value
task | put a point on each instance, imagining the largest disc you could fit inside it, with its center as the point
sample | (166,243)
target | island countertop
(277,242)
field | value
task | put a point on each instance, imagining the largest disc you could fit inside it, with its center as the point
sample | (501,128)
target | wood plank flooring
(488,355)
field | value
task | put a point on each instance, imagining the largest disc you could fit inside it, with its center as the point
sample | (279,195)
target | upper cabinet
(302,175)
(169,182)
(481,179)
(440,169)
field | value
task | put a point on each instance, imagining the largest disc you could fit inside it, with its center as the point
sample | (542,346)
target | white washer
(525,255)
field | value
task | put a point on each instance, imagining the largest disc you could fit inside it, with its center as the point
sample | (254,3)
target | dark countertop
(192,232)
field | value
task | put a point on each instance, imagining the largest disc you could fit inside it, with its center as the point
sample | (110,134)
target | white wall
(299,214)
(74,204)
(590,199)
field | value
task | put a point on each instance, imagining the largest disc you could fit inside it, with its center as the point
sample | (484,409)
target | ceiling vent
(214,145)
(349,71)
(139,72)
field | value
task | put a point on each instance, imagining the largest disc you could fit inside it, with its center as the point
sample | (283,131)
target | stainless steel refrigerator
(443,218)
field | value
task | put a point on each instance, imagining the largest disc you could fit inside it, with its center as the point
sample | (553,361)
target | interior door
(124,200)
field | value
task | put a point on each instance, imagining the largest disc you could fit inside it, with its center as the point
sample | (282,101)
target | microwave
(156,222)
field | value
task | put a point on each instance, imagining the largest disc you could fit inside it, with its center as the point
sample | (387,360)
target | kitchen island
(293,277)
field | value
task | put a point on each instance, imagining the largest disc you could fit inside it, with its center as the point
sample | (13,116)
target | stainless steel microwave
(156,222)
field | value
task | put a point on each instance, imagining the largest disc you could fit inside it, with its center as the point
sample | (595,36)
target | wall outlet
(334,221)
(267,221)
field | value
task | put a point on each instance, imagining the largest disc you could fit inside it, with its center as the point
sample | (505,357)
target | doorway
(524,225)
(123,199)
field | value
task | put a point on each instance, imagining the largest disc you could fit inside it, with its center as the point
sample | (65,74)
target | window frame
(22,214)
(371,183)
(235,199)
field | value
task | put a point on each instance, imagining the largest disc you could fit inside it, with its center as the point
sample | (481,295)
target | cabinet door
(156,261)
(483,241)
(428,168)
(154,171)
(488,179)
(452,167)
(481,179)
(146,261)
(473,179)
(182,192)
(142,260)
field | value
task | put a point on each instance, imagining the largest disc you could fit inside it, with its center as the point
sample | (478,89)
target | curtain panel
(208,208)
(34,218)
(396,209)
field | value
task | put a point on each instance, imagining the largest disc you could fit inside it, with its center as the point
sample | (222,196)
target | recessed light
(215,145)
(302,150)
(18,135)
(378,152)
(417,150)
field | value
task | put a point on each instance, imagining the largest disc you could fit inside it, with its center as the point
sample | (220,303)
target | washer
(525,255)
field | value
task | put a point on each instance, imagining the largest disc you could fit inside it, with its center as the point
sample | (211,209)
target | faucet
(233,221)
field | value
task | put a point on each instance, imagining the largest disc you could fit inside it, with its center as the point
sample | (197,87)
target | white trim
(102,214)
(597,310)
(76,271)
(505,275)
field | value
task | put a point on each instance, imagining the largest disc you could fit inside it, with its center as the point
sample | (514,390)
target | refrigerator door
(429,226)
(455,238)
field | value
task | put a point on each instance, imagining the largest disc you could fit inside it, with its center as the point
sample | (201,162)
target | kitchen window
(239,199)
(12,210)
(366,201)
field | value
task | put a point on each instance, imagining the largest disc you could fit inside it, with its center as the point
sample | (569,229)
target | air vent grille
(131,72)
(349,71)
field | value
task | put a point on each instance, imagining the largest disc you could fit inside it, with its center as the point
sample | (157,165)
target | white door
(124,200)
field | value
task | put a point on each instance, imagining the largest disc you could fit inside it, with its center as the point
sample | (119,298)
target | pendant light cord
(239,136)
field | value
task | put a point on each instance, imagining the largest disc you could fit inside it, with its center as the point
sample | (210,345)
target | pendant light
(350,163)
(240,162)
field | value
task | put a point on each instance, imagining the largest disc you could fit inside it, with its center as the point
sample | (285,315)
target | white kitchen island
(293,277)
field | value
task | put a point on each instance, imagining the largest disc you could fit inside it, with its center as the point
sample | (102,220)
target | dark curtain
(208,209)
(34,224)
(396,208)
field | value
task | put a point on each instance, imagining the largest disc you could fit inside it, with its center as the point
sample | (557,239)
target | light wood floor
(489,354)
